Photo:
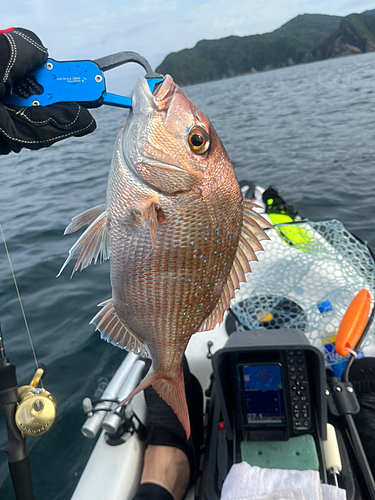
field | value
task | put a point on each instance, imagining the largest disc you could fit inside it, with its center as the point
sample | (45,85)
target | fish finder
(269,406)
(261,394)
(273,394)
(270,385)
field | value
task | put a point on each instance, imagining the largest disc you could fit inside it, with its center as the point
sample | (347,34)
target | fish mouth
(165,90)
(163,93)
(145,102)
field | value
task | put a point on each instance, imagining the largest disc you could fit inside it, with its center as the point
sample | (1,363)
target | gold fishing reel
(36,411)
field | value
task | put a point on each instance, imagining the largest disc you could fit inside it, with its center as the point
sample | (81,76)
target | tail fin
(172,390)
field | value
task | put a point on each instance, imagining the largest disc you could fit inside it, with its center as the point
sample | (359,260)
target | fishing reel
(36,411)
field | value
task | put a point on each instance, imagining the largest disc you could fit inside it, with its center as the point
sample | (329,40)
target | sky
(88,29)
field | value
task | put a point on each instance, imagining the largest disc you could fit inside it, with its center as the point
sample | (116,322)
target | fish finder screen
(261,386)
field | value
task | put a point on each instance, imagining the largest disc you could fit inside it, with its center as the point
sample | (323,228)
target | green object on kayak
(298,453)
(279,218)
(293,234)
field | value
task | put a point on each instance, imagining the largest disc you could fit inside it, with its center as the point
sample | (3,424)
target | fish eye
(199,140)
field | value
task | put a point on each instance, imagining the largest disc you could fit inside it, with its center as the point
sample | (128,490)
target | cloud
(77,28)
(74,29)
(357,6)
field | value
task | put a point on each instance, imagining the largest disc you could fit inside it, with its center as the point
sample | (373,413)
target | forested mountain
(305,38)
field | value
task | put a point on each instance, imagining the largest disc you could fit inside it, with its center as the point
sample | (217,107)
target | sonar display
(263,391)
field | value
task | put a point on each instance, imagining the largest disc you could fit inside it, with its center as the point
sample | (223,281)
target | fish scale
(179,235)
(173,264)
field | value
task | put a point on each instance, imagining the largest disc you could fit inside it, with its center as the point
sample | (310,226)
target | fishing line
(19,299)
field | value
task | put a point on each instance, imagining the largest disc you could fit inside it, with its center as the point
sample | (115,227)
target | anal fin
(216,317)
(94,242)
(113,330)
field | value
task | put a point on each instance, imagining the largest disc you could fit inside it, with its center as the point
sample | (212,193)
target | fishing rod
(18,458)
(350,337)
(29,411)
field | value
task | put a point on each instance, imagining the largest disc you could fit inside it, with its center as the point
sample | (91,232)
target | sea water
(308,130)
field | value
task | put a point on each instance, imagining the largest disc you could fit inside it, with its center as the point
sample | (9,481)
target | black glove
(35,127)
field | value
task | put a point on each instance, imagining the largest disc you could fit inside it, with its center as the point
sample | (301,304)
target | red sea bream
(178,233)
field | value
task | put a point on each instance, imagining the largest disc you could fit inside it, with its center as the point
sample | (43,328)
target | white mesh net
(306,278)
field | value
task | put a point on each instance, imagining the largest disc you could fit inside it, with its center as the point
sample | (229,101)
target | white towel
(245,482)
(333,493)
(284,495)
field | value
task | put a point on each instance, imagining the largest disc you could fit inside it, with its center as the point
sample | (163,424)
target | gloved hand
(21,51)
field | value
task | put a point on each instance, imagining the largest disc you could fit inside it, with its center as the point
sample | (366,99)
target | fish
(177,230)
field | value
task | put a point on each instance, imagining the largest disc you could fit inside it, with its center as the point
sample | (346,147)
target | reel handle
(36,411)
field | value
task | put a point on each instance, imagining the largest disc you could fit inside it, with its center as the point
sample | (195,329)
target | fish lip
(162,95)
(165,90)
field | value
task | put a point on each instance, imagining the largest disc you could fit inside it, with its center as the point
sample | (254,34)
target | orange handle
(353,323)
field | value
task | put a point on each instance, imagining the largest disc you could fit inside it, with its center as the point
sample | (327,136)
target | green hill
(303,39)
(310,28)
(364,25)
(355,35)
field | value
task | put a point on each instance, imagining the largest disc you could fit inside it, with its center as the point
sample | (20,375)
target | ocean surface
(308,130)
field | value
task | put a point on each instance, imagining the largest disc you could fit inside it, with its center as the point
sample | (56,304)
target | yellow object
(293,234)
(36,378)
(264,316)
(328,340)
(36,411)
(279,218)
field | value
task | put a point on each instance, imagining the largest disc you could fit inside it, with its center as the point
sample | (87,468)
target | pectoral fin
(154,215)
(94,241)
(252,231)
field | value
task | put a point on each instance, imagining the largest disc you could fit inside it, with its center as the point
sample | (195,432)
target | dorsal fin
(248,210)
(84,219)
(94,242)
(252,231)
(113,330)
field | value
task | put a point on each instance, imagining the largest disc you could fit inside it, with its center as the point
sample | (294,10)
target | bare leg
(168,467)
